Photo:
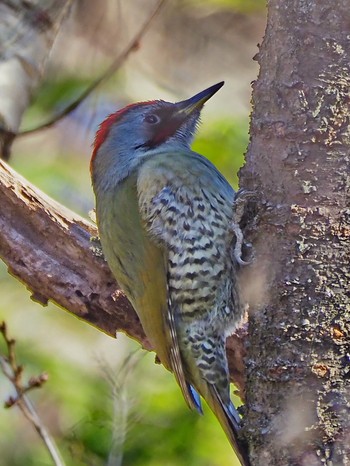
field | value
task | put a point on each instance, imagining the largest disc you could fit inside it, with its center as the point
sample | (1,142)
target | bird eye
(152,119)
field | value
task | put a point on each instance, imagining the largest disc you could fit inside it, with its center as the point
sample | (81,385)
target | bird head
(125,138)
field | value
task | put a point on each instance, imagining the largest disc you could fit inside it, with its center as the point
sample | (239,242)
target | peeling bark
(298,385)
(49,249)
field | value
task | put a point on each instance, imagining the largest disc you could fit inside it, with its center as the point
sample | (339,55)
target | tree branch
(49,249)
(14,372)
(112,69)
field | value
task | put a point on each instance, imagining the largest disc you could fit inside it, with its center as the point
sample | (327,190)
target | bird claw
(240,202)
(96,247)
(237,252)
(92,215)
(241,198)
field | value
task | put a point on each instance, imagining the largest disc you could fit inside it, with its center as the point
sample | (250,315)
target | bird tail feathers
(230,422)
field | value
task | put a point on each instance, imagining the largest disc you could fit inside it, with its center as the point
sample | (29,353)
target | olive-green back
(137,263)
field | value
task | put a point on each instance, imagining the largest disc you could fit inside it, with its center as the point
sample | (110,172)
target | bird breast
(191,222)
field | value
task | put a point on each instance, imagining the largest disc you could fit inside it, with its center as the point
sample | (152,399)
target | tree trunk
(298,393)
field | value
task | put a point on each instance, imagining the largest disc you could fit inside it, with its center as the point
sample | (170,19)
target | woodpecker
(164,217)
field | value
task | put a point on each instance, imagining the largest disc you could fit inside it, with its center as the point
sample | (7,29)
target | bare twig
(113,67)
(13,372)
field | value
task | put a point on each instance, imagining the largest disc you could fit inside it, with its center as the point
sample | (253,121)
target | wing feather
(155,194)
(136,262)
(189,393)
(166,185)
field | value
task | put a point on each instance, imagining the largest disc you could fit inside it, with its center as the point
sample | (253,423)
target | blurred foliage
(224,142)
(242,6)
(53,95)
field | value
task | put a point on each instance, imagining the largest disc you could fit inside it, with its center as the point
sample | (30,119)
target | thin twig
(30,413)
(13,372)
(114,66)
(122,404)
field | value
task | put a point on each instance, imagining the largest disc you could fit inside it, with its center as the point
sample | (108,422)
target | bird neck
(110,165)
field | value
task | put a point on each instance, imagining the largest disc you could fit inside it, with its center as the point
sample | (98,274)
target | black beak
(186,107)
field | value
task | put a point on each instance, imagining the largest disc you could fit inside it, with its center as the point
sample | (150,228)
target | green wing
(140,266)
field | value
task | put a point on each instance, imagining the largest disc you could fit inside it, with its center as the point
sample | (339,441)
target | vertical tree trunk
(298,379)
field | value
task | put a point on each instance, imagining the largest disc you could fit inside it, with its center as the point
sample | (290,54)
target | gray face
(150,125)
(138,132)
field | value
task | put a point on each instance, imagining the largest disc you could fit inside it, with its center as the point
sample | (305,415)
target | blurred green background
(106,402)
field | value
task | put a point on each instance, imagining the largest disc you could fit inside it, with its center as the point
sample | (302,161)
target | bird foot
(96,247)
(239,207)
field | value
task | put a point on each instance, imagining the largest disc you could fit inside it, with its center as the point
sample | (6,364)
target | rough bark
(49,249)
(298,164)
(27,32)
